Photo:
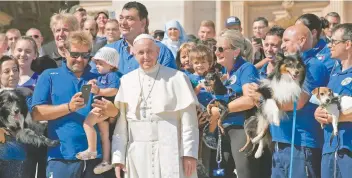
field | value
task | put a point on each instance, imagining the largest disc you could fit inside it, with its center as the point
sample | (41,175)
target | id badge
(218,172)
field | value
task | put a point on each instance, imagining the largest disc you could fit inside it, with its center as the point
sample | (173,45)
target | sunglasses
(220,49)
(34,36)
(84,55)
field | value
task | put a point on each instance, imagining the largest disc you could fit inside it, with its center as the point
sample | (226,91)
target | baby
(106,85)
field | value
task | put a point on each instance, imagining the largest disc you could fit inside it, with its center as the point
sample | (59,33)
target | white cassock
(153,146)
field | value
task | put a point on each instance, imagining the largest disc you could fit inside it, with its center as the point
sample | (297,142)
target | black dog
(14,116)
(212,80)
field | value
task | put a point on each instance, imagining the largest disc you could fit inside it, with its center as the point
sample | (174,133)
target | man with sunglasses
(338,155)
(57,99)
(37,37)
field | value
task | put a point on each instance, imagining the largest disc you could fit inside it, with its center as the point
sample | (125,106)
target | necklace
(145,107)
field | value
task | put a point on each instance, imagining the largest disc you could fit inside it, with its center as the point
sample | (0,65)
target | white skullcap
(143,36)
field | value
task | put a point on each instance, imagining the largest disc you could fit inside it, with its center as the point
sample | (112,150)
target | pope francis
(156,134)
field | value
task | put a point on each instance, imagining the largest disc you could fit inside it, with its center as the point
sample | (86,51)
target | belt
(143,131)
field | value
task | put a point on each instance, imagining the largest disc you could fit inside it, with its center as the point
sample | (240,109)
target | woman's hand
(2,135)
(189,165)
(104,108)
(251,91)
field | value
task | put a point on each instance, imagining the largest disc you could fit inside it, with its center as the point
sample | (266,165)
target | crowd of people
(145,114)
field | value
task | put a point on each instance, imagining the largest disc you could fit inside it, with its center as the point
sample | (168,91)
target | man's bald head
(146,52)
(297,38)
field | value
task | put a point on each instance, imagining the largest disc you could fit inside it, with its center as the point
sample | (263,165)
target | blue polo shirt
(324,55)
(128,63)
(341,83)
(242,73)
(262,72)
(56,87)
(308,130)
(203,96)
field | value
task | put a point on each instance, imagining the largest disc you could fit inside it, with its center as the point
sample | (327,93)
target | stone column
(239,9)
(222,12)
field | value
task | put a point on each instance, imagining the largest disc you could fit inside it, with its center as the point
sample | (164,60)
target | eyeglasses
(84,55)
(34,36)
(220,49)
(336,42)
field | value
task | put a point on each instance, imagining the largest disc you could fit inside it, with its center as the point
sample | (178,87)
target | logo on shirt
(346,81)
(320,57)
(232,80)
(103,82)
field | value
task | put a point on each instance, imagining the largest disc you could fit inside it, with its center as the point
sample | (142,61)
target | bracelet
(68,106)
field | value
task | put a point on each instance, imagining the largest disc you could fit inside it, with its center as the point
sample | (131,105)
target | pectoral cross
(144,109)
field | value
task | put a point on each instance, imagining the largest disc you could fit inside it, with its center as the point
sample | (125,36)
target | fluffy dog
(14,116)
(282,86)
(332,104)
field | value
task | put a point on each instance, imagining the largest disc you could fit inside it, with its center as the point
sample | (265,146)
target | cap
(232,20)
(109,55)
(76,8)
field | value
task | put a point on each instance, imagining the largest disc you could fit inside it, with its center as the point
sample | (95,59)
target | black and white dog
(284,85)
(16,119)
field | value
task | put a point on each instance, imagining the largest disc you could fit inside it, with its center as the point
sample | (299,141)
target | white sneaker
(102,167)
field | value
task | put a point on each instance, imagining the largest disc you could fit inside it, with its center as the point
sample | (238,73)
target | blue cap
(232,20)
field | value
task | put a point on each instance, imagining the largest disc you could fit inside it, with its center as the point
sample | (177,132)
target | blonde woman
(232,50)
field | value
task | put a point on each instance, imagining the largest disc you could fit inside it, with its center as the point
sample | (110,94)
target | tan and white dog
(331,103)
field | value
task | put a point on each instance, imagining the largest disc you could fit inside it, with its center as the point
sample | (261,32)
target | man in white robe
(156,134)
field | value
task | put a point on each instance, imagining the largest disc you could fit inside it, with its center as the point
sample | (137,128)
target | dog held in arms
(212,80)
(16,119)
(284,85)
(332,105)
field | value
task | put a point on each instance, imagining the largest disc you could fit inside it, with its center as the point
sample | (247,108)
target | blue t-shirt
(128,63)
(308,131)
(242,73)
(341,83)
(109,80)
(31,82)
(56,87)
(204,97)
(324,55)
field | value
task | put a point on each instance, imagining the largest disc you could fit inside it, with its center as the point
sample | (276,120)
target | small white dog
(332,104)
